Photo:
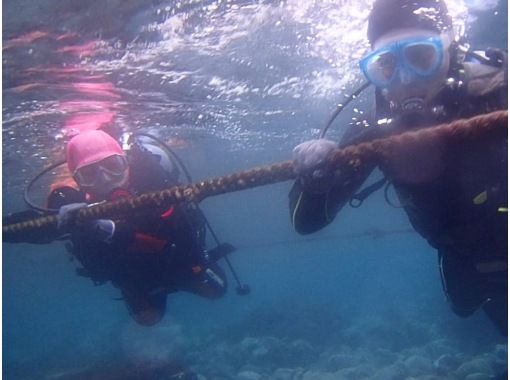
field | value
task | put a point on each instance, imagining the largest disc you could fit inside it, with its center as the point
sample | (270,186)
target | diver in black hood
(455,195)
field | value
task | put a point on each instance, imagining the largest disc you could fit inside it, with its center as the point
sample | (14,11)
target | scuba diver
(455,195)
(146,255)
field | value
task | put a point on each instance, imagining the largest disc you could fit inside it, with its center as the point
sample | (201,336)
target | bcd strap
(358,198)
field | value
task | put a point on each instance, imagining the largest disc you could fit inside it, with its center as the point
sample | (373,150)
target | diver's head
(97,162)
(410,58)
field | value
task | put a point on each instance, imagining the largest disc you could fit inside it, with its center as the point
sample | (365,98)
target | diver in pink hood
(146,255)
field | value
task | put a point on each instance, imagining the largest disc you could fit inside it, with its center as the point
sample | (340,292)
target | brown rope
(346,158)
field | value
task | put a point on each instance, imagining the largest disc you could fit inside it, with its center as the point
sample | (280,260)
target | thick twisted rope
(348,158)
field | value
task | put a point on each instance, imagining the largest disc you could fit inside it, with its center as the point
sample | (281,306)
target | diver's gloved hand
(311,164)
(67,214)
(100,229)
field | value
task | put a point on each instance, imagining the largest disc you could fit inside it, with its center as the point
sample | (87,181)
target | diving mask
(113,167)
(408,60)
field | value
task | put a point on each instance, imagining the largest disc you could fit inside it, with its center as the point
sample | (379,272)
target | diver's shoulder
(487,75)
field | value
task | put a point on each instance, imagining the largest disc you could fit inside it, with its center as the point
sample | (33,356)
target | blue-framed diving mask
(408,60)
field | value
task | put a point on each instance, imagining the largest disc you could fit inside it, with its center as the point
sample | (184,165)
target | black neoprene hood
(387,15)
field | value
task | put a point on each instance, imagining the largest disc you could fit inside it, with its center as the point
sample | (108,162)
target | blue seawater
(230,85)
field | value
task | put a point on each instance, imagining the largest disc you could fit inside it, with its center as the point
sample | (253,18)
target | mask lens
(87,175)
(422,57)
(380,68)
(115,165)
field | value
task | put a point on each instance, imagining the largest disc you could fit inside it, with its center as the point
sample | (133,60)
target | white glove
(67,215)
(100,229)
(311,164)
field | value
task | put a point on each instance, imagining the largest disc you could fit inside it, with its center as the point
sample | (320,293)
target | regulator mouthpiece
(413,105)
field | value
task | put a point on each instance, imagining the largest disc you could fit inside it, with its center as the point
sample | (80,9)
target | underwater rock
(354,373)
(290,319)
(370,332)
(248,375)
(382,332)
(446,363)
(439,347)
(260,353)
(218,361)
(393,372)
(283,374)
(316,375)
(271,353)
(478,376)
(249,343)
(419,365)
(112,370)
(288,374)
(475,366)
(255,350)
(501,352)
(500,358)
(382,357)
(339,361)
(299,352)
(497,360)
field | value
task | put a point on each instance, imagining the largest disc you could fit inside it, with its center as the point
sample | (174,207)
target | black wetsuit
(153,253)
(454,195)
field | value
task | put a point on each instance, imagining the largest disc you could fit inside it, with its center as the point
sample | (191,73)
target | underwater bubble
(481,5)
(156,345)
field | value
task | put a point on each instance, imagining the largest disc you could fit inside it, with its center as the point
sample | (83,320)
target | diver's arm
(310,211)
(315,201)
(95,232)
(58,197)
